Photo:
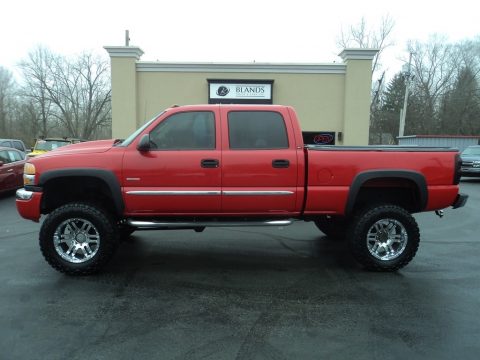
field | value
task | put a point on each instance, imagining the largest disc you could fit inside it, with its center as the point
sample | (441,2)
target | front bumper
(28,204)
(470,171)
(460,201)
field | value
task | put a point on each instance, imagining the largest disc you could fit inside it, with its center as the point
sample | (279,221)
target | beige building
(331,100)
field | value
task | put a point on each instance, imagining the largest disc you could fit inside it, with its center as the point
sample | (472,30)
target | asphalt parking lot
(245,293)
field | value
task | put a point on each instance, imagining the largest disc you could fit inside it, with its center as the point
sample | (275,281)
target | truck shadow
(319,270)
(235,255)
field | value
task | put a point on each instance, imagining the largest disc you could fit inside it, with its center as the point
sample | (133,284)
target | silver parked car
(471,161)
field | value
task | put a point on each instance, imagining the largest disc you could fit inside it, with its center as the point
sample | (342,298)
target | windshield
(47,145)
(132,137)
(471,151)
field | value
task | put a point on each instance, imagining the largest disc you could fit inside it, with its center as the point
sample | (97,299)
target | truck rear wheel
(384,238)
(78,238)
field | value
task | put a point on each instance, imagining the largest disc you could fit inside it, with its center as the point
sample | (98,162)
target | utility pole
(403,112)
(127,38)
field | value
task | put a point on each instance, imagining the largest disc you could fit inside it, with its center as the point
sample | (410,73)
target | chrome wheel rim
(76,240)
(387,239)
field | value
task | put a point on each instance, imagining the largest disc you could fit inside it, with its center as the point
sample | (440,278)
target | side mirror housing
(144,143)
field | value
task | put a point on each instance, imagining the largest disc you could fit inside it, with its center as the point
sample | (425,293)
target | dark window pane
(15,156)
(257,130)
(18,145)
(185,131)
(4,157)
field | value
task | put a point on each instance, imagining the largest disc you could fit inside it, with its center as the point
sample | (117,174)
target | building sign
(318,137)
(240,91)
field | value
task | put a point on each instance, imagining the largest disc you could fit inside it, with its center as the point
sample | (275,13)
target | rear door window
(257,130)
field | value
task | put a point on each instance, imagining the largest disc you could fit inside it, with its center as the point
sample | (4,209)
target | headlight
(28,174)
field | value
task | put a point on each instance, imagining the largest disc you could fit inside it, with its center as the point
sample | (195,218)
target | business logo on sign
(223,91)
(247,91)
(323,139)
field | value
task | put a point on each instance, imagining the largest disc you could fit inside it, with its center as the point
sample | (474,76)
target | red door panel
(259,181)
(182,174)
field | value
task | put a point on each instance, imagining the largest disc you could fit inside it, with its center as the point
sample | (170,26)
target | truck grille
(471,164)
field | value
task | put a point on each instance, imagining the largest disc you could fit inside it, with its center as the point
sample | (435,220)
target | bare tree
(434,66)
(74,94)
(360,35)
(36,79)
(6,92)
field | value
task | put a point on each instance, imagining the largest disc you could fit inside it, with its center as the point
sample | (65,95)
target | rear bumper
(28,204)
(460,201)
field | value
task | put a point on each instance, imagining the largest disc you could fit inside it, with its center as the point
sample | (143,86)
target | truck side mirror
(144,143)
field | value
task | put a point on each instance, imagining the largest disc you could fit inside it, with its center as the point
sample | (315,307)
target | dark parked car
(471,161)
(11,169)
(13,143)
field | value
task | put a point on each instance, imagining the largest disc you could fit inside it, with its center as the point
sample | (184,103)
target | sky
(273,31)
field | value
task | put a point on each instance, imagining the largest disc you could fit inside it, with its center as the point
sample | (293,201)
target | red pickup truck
(232,165)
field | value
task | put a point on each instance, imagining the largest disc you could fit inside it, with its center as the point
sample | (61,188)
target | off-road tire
(364,221)
(104,225)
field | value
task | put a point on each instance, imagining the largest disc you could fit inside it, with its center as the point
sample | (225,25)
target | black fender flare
(106,176)
(365,176)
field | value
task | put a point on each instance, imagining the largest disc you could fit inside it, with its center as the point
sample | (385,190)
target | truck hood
(87,147)
(470,157)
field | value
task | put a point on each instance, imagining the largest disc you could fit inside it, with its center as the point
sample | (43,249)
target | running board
(198,224)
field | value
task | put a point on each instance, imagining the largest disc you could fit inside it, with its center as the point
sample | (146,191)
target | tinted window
(471,151)
(6,143)
(14,156)
(185,131)
(50,144)
(4,157)
(256,130)
(18,145)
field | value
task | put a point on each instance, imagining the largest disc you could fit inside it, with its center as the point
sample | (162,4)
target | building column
(358,84)
(124,89)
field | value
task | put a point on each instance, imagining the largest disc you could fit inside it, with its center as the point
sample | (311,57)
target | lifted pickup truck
(232,165)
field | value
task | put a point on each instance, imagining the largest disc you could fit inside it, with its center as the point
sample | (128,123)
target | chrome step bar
(139,224)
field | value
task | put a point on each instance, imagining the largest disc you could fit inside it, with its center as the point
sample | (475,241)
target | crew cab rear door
(259,162)
(181,173)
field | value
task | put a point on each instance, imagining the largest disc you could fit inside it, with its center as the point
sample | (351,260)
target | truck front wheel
(78,238)
(384,238)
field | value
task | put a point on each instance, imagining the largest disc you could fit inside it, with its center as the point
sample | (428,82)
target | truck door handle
(280,163)
(209,163)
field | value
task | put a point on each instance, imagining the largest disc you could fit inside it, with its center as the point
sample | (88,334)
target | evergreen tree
(460,110)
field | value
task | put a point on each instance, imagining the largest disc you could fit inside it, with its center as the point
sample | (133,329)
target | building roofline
(358,54)
(124,51)
(292,68)
(440,136)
